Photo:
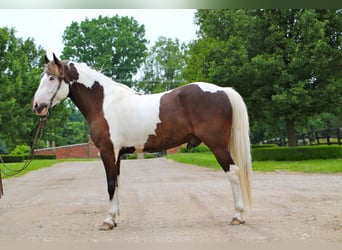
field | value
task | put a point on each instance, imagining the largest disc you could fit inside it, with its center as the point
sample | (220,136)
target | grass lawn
(309,166)
(35,164)
(208,160)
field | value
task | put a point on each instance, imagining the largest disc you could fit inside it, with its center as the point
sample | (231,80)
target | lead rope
(7,171)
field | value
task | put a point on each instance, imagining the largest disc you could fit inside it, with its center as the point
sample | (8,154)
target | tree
(21,65)
(74,131)
(163,66)
(113,45)
(19,74)
(286,63)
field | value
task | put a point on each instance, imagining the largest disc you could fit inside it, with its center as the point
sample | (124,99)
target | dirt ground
(164,201)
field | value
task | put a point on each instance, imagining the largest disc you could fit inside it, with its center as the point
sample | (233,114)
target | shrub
(12,158)
(148,156)
(272,152)
(264,145)
(21,150)
(132,157)
(41,157)
(297,153)
(203,148)
(198,149)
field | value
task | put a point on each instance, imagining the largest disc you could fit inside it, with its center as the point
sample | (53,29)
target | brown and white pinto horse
(121,121)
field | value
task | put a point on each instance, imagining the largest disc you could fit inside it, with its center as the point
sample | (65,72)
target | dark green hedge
(41,157)
(203,148)
(198,149)
(271,152)
(12,158)
(21,158)
(297,153)
(264,145)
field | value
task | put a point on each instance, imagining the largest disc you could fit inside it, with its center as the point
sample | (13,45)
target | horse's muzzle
(40,109)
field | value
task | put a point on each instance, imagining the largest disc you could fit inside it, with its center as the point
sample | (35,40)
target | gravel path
(164,201)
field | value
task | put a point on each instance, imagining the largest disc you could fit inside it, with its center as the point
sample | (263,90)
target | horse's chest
(132,120)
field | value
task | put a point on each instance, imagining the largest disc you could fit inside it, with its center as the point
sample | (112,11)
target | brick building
(82,150)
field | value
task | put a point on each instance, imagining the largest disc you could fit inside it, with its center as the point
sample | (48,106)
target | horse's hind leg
(233,176)
(232,171)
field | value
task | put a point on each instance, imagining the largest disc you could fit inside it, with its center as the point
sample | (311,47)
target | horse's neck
(91,87)
(88,77)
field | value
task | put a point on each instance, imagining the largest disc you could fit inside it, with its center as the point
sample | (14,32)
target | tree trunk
(291,132)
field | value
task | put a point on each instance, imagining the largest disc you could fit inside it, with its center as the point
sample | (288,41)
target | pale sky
(46,26)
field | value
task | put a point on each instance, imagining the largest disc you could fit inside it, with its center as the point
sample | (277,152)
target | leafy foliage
(162,69)
(21,150)
(74,131)
(285,63)
(19,75)
(21,63)
(113,45)
(2,148)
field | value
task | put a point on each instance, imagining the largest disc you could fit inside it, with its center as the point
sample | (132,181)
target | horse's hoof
(106,226)
(236,221)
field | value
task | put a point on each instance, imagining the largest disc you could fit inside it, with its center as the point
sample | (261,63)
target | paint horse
(121,121)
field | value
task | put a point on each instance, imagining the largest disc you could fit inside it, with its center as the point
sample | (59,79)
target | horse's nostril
(35,107)
(38,108)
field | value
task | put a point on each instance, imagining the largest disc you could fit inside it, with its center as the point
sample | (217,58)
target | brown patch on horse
(62,70)
(70,73)
(173,126)
(90,103)
(191,115)
(51,68)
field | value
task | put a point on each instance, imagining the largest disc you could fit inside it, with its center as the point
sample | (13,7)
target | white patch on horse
(208,87)
(114,210)
(48,87)
(131,118)
(88,76)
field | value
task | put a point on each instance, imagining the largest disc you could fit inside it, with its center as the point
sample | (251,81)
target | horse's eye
(52,78)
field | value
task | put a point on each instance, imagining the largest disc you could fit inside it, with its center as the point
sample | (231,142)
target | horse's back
(205,103)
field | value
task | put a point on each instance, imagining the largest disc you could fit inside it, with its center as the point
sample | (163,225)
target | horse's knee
(233,174)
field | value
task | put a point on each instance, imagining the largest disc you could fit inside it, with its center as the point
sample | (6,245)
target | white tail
(239,144)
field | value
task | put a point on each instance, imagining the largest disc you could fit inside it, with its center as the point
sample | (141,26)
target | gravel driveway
(164,201)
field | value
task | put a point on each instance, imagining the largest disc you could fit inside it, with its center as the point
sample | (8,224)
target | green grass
(208,160)
(307,166)
(34,165)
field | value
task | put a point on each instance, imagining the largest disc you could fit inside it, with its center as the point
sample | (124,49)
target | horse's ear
(46,59)
(56,60)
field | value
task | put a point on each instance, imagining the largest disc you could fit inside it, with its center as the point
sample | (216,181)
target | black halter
(60,79)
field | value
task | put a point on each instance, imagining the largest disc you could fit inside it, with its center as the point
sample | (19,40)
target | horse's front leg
(112,173)
(112,218)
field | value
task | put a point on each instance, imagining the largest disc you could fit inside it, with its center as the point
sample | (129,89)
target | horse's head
(54,85)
